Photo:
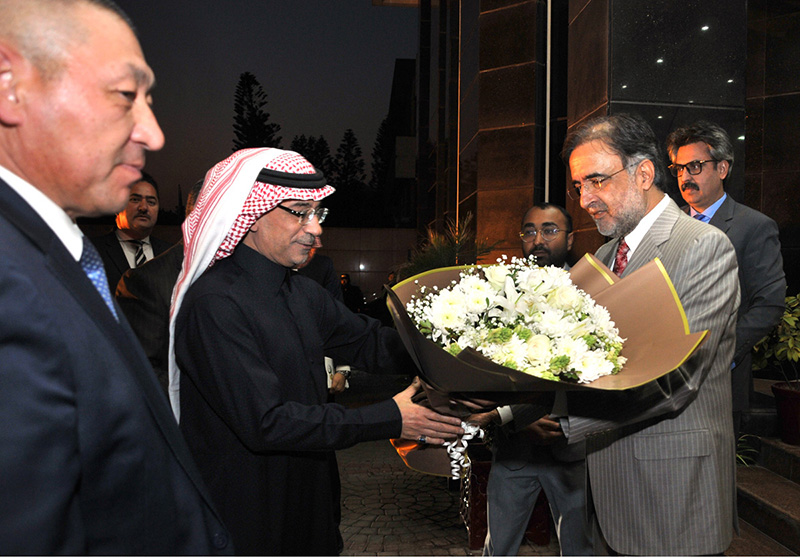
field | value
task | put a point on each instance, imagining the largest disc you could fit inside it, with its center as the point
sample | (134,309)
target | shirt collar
(267,273)
(634,238)
(56,218)
(711,210)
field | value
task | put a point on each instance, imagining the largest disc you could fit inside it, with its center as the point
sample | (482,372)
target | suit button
(220,540)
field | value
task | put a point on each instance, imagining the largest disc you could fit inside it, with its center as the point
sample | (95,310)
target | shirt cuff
(505,413)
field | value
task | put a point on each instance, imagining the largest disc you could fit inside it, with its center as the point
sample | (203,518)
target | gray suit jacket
(661,458)
(762,282)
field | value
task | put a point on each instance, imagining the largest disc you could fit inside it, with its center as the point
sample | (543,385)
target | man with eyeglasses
(660,457)
(530,453)
(247,372)
(702,158)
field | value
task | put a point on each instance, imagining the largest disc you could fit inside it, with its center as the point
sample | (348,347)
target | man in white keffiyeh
(247,375)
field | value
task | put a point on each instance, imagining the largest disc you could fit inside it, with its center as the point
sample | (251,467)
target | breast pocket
(672,445)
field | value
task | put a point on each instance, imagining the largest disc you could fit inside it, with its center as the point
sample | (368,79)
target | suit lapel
(71,275)
(649,248)
(115,253)
(724,215)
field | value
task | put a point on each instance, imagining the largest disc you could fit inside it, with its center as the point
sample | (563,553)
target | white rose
(539,347)
(496,276)
(565,297)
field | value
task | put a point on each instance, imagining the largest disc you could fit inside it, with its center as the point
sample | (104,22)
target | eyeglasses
(594,184)
(305,217)
(547,234)
(694,167)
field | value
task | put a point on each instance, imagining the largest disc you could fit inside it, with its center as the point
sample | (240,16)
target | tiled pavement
(390,510)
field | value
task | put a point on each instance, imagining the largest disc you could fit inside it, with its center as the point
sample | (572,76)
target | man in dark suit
(144,293)
(660,457)
(91,459)
(530,453)
(130,245)
(702,158)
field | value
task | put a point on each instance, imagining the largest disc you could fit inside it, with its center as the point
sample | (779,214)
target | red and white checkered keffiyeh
(230,202)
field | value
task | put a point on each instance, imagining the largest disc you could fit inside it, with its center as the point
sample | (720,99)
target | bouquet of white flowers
(524,317)
(506,333)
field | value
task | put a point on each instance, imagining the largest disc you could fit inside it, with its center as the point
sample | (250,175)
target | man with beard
(702,159)
(660,457)
(530,453)
(130,244)
(247,373)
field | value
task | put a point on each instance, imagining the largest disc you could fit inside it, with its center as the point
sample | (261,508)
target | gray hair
(719,144)
(629,136)
(44,30)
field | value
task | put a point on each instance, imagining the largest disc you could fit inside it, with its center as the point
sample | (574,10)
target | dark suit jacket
(92,460)
(762,282)
(114,259)
(144,294)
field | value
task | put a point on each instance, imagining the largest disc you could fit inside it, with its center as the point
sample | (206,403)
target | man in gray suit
(702,158)
(530,453)
(660,457)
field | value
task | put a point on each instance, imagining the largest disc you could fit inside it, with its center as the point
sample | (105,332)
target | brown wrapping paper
(644,306)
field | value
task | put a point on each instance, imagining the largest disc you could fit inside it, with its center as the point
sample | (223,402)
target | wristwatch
(344,370)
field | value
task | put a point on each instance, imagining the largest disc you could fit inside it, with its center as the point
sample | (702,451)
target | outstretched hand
(422,421)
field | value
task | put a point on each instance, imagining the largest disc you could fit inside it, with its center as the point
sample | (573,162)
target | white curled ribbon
(457,450)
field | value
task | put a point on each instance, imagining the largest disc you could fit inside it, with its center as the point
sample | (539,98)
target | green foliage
(500,335)
(456,246)
(347,206)
(781,347)
(251,125)
(746,453)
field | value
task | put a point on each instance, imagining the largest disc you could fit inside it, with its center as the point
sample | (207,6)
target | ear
(10,68)
(723,168)
(570,237)
(646,174)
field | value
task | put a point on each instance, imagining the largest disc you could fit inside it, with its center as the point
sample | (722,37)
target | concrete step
(771,504)
(762,417)
(752,542)
(780,458)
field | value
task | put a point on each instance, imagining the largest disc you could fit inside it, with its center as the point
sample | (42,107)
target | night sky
(325,66)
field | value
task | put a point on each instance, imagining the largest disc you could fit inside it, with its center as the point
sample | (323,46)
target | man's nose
(146,131)
(586,197)
(313,227)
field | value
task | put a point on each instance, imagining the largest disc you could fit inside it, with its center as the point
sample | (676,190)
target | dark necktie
(140,258)
(701,217)
(621,260)
(93,267)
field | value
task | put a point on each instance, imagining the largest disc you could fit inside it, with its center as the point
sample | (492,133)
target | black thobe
(250,341)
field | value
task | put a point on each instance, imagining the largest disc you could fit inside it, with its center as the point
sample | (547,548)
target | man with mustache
(660,457)
(247,372)
(530,453)
(130,244)
(702,159)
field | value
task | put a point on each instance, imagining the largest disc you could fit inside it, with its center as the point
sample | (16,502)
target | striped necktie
(93,267)
(621,259)
(140,258)
(701,217)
